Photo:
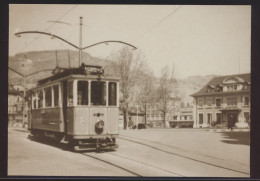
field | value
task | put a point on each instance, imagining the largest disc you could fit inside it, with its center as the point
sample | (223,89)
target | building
(223,101)
(182,117)
(15,104)
(136,118)
(154,117)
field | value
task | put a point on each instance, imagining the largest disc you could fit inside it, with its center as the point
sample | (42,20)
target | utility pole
(23,124)
(137,121)
(80,41)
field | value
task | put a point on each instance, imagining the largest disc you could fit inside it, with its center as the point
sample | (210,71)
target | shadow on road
(242,138)
(65,146)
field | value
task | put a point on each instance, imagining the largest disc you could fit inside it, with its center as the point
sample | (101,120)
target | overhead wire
(157,24)
(46,29)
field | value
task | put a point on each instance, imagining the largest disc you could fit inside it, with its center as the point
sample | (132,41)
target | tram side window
(40,98)
(98,93)
(82,93)
(48,97)
(112,94)
(34,100)
(29,101)
(56,95)
(70,93)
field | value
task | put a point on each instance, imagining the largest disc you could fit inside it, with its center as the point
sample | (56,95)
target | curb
(21,130)
(228,130)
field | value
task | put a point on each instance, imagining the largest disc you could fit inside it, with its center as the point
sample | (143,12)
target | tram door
(64,104)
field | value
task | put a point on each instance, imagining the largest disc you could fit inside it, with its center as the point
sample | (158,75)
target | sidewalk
(18,127)
(227,130)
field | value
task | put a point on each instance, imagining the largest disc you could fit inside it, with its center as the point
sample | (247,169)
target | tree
(166,90)
(128,65)
(146,86)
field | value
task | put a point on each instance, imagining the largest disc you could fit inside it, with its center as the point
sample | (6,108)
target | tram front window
(82,93)
(98,93)
(112,94)
(70,93)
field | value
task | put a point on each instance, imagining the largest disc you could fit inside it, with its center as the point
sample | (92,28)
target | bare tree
(128,65)
(166,90)
(147,91)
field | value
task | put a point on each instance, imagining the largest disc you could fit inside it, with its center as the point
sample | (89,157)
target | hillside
(41,60)
(30,62)
(190,85)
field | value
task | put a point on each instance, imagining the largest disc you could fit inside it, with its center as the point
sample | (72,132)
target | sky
(197,39)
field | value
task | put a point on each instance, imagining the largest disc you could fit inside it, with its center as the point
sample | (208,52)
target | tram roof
(87,72)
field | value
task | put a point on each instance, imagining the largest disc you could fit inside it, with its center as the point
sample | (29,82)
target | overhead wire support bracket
(110,41)
(18,34)
(44,33)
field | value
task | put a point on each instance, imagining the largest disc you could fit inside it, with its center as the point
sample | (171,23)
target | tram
(78,105)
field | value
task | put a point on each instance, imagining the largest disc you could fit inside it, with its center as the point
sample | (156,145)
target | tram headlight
(99,127)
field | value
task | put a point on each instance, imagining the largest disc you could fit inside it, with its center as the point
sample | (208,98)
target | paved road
(228,145)
(141,153)
(26,157)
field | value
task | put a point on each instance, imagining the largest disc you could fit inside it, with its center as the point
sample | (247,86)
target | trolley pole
(80,41)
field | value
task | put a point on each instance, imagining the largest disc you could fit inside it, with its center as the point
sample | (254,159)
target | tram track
(189,157)
(181,149)
(134,169)
(110,163)
(147,164)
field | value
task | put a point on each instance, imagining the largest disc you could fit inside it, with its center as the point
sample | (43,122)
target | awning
(230,109)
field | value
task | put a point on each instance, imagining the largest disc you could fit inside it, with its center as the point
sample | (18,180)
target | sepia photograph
(109,90)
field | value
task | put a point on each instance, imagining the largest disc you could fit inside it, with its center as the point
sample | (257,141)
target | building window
(231,101)
(218,102)
(82,93)
(200,118)
(40,98)
(112,94)
(228,88)
(56,95)
(246,87)
(175,117)
(48,97)
(70,93)
(200,103)
(209,102)
(232,87)
(209,118)
(246,101)
(98,93)
(219,118)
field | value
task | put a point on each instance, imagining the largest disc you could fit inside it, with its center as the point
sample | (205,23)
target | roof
(220,80)
(82,70)
(15,92)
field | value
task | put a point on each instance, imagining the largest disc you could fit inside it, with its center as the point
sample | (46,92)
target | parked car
(141,126)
